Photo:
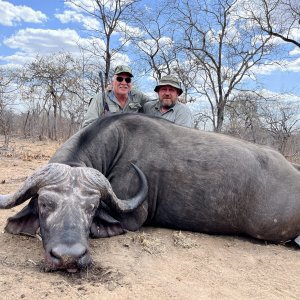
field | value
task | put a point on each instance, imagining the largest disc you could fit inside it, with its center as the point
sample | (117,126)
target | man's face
(167,96)
(122,84)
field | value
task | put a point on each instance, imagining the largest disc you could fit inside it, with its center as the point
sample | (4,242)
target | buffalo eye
(46,206)
(90,208)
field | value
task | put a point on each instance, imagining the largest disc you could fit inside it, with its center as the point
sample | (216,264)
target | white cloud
(30,42)
(89,5)
(122,27)
(279,96)
(151,46)
(294,66)
(278,66)
(77,4)
(17,59)
(46,40)
(72,16)
(125,32)
(266,69)
(295,51)
(12,14)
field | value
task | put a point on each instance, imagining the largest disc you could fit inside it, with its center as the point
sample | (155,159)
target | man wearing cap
(167,105)
(121,98)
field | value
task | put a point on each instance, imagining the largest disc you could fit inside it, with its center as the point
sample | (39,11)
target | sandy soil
(154,263)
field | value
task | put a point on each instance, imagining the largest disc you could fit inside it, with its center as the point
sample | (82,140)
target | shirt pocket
(134,106)
(113,108)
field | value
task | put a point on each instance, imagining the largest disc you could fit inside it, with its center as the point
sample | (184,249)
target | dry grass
(184,240)
(28,149)
(148,243)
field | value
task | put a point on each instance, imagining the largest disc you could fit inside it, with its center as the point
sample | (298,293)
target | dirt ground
(154,263)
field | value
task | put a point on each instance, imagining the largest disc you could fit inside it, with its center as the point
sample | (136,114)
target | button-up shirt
(135,103)
(178,114)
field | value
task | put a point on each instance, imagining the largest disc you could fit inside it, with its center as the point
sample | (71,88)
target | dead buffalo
(190,180)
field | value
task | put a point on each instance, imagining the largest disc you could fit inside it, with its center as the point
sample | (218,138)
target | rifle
(104,103)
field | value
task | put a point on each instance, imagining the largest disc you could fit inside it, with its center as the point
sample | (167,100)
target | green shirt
(135,103)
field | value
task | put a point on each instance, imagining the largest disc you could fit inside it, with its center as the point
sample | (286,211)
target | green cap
(169,80)
(123,69)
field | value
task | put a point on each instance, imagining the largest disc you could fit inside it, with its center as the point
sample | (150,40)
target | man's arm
(141,98)
(149,107)
(94,110)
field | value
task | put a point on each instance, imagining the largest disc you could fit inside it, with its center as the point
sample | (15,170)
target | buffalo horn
(49,173)
(128,205)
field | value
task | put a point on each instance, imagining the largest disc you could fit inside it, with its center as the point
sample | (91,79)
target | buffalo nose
(76,250)
(64,251)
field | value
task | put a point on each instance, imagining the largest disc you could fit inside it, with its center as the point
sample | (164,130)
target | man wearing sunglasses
(120,98)
(167,106)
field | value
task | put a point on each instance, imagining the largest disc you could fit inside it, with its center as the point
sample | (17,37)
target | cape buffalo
(197,181)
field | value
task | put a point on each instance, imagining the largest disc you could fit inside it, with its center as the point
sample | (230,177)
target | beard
(167,104)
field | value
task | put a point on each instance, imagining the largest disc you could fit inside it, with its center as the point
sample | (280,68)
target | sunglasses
(120,79)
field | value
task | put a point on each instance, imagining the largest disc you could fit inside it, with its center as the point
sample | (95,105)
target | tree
(154,39)
(46,83)
(243,117)
(112,16)
(7,100)
(277,18)
(281,120)
(223,47)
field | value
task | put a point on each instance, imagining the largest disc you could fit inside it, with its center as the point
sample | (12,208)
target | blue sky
(32,27)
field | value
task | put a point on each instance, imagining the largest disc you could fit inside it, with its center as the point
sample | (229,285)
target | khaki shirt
(178,114)
(135,103)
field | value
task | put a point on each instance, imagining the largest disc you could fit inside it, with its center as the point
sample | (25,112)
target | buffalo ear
(104,225)
(25,221)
